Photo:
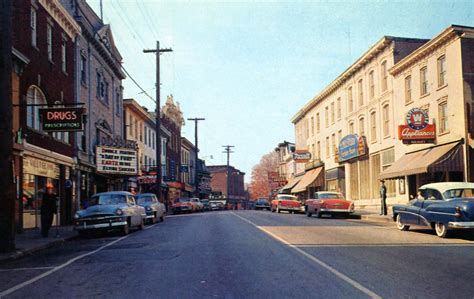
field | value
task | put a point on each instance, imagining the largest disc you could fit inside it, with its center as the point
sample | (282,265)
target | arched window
(34,97)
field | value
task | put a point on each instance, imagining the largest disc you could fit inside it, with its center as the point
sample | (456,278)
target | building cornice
(62,17)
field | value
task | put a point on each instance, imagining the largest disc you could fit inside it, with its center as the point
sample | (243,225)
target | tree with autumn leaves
(259,184)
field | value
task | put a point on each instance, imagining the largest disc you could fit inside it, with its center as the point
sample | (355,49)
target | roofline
(133,104)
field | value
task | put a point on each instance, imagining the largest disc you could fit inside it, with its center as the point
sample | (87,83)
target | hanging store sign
(40,168)
(301,156)
(184,168)
(351,146)
(62,119)
(417,128)
(114,160)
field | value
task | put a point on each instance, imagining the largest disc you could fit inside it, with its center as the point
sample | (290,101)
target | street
(256,254)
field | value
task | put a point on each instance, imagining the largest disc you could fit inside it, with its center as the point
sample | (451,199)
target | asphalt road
(250,254)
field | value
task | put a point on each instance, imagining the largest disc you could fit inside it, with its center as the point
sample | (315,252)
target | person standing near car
(383,198)
(48,209)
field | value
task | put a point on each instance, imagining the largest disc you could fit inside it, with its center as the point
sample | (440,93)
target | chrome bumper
(337,210)
(85,226)
(469,224)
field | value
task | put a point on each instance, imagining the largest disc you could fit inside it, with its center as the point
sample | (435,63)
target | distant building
(188,166)
(235,188)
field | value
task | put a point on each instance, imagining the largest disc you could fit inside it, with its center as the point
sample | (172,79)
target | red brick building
(219,175)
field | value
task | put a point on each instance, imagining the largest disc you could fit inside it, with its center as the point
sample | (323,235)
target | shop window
(388,158)
(34,99)
(354,171)
(375,171)
(364,174)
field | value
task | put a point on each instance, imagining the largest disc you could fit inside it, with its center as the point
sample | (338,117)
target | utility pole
(7,183)
(196,179)
(228,150)
(158,51)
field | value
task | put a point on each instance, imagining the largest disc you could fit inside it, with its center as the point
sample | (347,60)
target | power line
(147,18)
(138,85)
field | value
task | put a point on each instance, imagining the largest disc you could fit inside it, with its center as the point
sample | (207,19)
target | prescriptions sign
(62,119)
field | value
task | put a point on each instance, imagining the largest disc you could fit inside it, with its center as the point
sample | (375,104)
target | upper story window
(384,76)
(118,102)
(408,89)
(34,98)
(49,41)
(350,100)
(130,125)
(386,120)
(443,117)
(326,116)
(83,67)
(106,92)
(318,150)
(63,55)
(351,128)
(338,108)
(318,123)
(141,132)
(373,126)
(145,135)
(442,71)
(33,23)
(371,85)
(423,80)
(312,126)
(361,92)
(332,113)
(333,143)
(328,153)
(361,126)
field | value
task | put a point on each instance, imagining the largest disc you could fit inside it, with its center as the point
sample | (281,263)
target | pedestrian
(48,209)
(383,198)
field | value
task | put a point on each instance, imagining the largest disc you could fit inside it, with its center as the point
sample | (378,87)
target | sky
(247,67)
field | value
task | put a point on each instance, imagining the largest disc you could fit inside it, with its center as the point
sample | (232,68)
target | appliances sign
(115,160)
(417,129)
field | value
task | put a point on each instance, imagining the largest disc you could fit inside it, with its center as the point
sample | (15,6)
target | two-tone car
(441,206)
(155,210)
(328,203)
(286,202)
(110,211)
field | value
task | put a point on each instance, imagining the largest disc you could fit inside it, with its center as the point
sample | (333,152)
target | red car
(286,202)
(183,205)
(329,203)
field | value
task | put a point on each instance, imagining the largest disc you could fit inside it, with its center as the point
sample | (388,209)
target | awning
(435,158)
(309,178)
(291,183)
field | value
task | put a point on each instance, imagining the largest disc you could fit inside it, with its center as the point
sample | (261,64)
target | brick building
(236,190)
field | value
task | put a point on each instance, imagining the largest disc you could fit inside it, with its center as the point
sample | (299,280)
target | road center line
(34,279)
(342,276)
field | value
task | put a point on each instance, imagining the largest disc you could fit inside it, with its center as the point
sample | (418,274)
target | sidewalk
(31,241)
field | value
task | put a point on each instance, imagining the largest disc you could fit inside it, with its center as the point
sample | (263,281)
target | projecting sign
(301,156)
(62,119)
(417,129)
(351,146)
(116,160)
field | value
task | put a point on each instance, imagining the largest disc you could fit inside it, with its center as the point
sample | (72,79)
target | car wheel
(400,225)
(125,230)
(441,229)
(308,213)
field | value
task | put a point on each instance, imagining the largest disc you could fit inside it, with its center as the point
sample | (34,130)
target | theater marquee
(116,160)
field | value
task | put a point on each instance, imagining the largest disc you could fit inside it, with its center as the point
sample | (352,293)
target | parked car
(262,204)
(110,211)
(441,206)
(216,205)
(205,203)
(329,203)
(198,205)
(155,210)
(183,205)
(286,202)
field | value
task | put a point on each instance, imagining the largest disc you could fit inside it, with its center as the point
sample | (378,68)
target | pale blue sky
(249,66)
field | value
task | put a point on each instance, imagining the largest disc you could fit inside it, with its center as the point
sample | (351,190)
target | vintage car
(198,205)
(216,205)
(286,202)
(155,210)
(110,211)
(183,205)
(262,204)
(440,206)
(329,203)
(205,204)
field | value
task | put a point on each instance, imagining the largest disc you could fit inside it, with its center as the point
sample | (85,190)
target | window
(318,123)
(130,126)
(386,120)
(373,126)
(326,116)
(443,117)
(141,132)
(145,135)
(442,71)
(361,93)
(339,136)
(350,100)
(371,85)
(33,26)
(100,86)
(384,76)
(338,108)
(117,102)
(83,69)
(408,89)
(33,118)
(63,55)
(351,128)
(327,147)
(318,150)
(49,41)
(106,92)
(312,126)
(423,81)
(361,126)
(333,143)
(332,113)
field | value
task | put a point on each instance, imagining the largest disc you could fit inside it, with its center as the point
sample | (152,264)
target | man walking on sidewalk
(48,209)
(383,198)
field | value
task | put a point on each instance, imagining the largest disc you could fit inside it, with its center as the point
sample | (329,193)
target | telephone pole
(228,150)
(196,179)
(7,183)
(158,51)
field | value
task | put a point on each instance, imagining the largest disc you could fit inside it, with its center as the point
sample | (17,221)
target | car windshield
(331,195)
(287,197)
(144,199)
(460,192)
(183,199)
(108,199)
(262,201)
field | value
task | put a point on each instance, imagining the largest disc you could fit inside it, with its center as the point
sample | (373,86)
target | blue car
(441,206)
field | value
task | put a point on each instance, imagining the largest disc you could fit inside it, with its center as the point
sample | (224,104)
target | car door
(432,197)
(135,218)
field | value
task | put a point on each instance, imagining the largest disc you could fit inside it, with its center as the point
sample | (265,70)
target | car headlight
(119,212)
(77,216)
(148,208)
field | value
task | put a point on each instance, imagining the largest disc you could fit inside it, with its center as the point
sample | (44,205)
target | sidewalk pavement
(31,241)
